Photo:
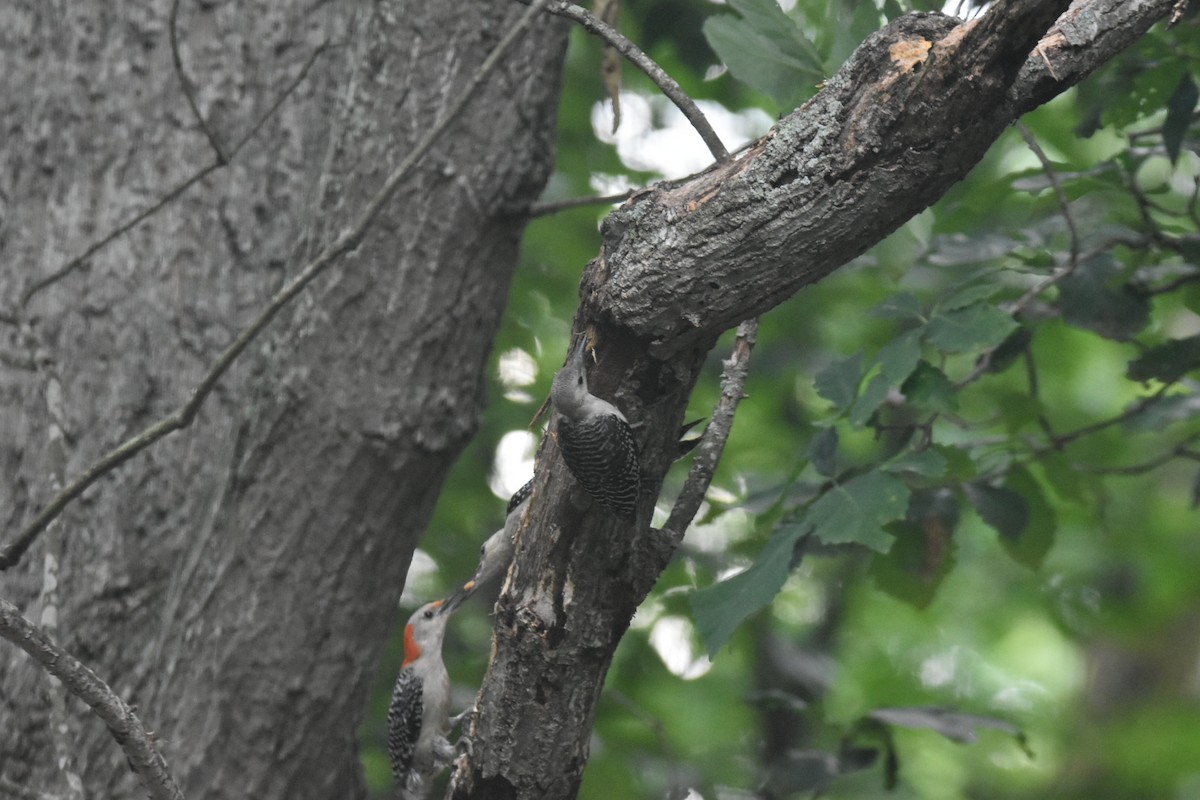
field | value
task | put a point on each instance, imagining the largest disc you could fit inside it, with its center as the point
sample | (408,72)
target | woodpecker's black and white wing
(404,719)
(519,497)
(601,453)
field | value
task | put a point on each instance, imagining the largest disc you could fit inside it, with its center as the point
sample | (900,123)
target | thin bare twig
(284,95)
(1179,451)
(712,444)
(145,759)
(79,260)
(1063,203)
(1173,285)
(1063,439)
(546,209)
(349,240)
(76,262)
(639,59)
(1031,375)
(188,91)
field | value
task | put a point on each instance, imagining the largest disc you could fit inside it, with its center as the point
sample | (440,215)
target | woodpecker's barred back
(419,714)
(519,497)
(596,440)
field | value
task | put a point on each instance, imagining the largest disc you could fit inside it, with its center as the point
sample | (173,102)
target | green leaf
(1179,115)
(1008,351)
(1001,508)
(856,511)
(923,552)
(1167,362)
(1164,411)
(904,305)
(898,358)
(969,296)
(1146,94)
(929,389)
(871,398)
(975,327)
(1064,478)
(1035,541)
(764,49)
(767,19)
(823,452)
(1018,410)
(928,463)
(1020,514)
(959,464)
(1088,301)
(838,382)
(720,608)
(904,572)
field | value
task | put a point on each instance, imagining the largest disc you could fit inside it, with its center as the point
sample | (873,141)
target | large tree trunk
(237,581)
(913,110)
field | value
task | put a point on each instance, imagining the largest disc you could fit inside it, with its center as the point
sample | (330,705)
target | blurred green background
(1039,595)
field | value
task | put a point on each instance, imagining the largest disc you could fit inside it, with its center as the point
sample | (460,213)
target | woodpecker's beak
(581,349)
(455,600)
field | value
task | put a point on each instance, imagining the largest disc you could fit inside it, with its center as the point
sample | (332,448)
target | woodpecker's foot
(464,745)
(443,751)
(460,717)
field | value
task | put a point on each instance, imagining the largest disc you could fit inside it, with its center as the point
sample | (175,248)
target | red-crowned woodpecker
(419,715)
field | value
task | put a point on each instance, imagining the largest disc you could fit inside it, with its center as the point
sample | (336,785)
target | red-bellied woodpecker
(496,554)
(596,440)
(419,715)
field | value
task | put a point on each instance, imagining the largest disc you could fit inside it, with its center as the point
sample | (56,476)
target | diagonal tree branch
(712,444)
(345,243)
(127,729)
(911,113)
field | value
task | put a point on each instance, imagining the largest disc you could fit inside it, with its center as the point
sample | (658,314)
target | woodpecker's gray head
(496,554)
(427,626)
(570,390)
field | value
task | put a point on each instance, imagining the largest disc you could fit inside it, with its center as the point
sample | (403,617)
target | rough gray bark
(237,581)
(909,115)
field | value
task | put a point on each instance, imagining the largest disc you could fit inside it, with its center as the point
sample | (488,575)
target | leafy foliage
(962,485)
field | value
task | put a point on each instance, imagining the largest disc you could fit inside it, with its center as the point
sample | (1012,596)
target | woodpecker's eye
(429,614)
(483,550)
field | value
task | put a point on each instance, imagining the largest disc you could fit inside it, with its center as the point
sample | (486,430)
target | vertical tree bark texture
(237,581)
